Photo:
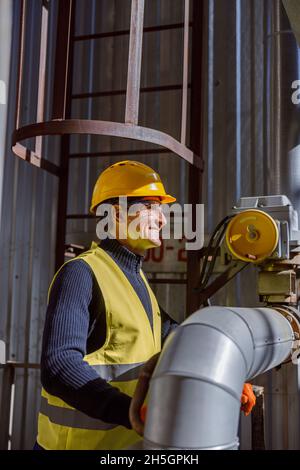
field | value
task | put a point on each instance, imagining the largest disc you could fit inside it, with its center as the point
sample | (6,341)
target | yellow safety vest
(129,343)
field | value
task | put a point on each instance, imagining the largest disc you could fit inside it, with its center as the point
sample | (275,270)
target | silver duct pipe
(194,395)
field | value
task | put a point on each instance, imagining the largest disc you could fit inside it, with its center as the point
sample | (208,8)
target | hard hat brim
(164,199)
(167,199)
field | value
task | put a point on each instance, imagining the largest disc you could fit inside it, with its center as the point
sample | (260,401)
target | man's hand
(248,399)
(137,409)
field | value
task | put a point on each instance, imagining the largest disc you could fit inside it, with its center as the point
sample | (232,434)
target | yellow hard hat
(128,178)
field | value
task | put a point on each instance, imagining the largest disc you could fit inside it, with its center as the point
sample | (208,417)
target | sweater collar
(126,259)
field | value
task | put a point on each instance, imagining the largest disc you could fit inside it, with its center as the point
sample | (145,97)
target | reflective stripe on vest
(72,418)
(119,372)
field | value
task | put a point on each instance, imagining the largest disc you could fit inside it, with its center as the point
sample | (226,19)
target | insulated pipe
(282,113)
(195,390)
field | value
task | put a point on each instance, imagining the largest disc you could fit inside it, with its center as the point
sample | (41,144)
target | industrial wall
(239,151)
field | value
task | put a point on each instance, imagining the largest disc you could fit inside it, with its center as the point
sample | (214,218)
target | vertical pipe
(11,416)
(91,61)
(134,61)
(283,125)
(210,118)
(195,174)
(65,141)
(62,58)
(238,135)
(5,406)
(6,32)
(42,76)
(277,97)
(21,61)
(185,70)
(28,311)
(238,99)
(184,107)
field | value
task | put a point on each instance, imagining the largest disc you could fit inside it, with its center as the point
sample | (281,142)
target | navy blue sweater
(75,326)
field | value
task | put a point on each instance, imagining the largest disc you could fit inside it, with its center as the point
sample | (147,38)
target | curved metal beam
(95,127)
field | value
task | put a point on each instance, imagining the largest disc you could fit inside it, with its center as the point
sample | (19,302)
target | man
(103,322)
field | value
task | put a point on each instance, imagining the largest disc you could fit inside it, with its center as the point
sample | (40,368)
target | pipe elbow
(194,397)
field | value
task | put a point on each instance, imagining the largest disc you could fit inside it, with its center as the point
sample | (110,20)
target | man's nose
(162,219)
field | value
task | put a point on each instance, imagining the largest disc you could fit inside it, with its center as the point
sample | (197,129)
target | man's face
(144,220)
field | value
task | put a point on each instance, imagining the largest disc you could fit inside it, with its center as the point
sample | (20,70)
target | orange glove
(143,413)
(248,399)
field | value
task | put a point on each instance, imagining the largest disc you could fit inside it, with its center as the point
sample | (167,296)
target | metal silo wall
(250,147)
(27,236)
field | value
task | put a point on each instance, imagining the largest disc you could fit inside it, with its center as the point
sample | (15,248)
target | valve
(252,236)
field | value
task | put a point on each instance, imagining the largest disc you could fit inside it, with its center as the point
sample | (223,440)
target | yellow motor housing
(252,236)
